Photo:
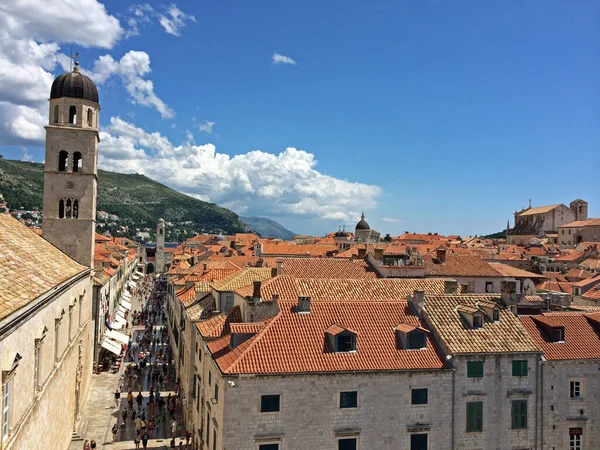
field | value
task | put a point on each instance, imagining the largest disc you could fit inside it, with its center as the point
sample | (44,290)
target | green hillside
(136,199)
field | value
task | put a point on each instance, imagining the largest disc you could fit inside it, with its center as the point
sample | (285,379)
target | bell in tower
(70,170)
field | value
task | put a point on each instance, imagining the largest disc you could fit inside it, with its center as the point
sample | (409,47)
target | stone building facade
(46,335)
(579,231)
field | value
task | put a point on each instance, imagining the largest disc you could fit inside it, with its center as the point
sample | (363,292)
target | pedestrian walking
(137,440)
(93,444)
(86,445)
(114,430)
(145,440)
(174,428)
(117,398)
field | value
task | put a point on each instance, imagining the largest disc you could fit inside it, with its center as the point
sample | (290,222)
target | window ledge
(347,432)
(418,427)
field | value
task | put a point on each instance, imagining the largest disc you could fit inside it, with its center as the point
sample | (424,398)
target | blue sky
(430,116)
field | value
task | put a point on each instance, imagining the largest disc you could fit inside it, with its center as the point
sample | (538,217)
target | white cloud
(133,67)
(278,58)
(140,15)
(30,34)
(392,220)
(174,20)
(253,183)
(206,126)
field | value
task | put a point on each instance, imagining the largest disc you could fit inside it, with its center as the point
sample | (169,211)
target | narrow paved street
(146,373)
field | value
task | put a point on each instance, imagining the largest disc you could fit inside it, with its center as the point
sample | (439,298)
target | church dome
(74,85)
(362,225)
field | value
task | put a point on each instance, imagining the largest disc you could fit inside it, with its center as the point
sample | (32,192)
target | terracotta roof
(218,325)
(297,250)
(290,288)
(510,271)
(327,268)
(297,343)
(586,282)
(29,265)
(538,210)
(504,336)
(510,256)
(578,274)
(216,274)
(570,256)
(581,333)
(593,293)
(532,299)
(582,223)
(556,287)
(459,266)
(534,251)
(593,264)
(246,328)
(186,296)
(241,278)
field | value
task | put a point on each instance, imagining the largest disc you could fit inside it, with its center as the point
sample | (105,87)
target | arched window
(61,209)
(75,209)
(72,114)
(77,162)
(63,161)
(90,118)
(56,114)
(68,209)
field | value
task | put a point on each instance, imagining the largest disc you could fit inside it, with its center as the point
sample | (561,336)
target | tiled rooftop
(241,278)
(289,288)
(581,334)
(218,325)
(509,271)
(459,266)
(327,268)
(504,336)
(297,343)
(29,265)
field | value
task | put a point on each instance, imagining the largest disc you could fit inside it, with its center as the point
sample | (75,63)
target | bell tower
(70,169)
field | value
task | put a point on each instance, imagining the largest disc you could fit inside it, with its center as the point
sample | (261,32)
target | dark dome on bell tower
(74,85)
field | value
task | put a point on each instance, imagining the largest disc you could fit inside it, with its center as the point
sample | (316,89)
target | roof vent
(303,304)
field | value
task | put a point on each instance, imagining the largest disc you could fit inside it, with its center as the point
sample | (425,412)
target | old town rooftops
(289,288)
(458,266)
(327,268)
(565,335)
(446,314)
(300,343)
(243,277)
(29,265)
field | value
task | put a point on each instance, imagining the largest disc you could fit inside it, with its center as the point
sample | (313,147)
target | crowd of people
(149,368)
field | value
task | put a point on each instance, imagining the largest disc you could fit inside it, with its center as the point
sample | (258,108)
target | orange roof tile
(29,265)
(218,325)
(510,271)
(327,268)
(241,278)
(286,249)
(504,336)
(459,266)
(276,349)
(290,288)
(580,334)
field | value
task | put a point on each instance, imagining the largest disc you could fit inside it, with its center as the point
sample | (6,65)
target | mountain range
(138,201)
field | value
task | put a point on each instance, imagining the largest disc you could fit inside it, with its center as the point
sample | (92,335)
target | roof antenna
(71,60)
(76,57)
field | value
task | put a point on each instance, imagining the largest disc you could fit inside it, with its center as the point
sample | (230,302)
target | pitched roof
(297,250)
(327,268)
(510,271)
(290,288)
(504,336)
(581,334)
(582,223)
(218,325)
(29,265)
(297,343)
(241,278)
(539,210)
(459,266)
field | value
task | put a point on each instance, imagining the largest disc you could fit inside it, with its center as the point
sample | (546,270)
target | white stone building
(570,392)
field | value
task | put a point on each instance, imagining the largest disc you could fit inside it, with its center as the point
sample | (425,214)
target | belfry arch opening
(63,161)
(75,209)
(90,118)
(77,162)
(56,114)
(68,208)
(61,209)
(73,114)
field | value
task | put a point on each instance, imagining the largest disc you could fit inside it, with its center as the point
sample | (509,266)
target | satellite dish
(528,287)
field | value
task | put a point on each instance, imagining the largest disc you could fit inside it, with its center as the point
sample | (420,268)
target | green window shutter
(519,414)
(474,417)
(519,368)
(474,369)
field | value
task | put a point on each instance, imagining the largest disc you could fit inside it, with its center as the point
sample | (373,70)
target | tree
(387,238)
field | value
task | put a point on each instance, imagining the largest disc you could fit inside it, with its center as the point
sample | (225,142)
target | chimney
(275,297)
(273,272)
(450,286)
(362,252)
(256,291)
(204,266)
(279,262)
(441,254)
(379,254)
(417,301)
(303,304)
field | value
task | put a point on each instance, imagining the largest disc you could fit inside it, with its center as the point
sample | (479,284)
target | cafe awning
(121,337)
(111,346)
(125,304)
